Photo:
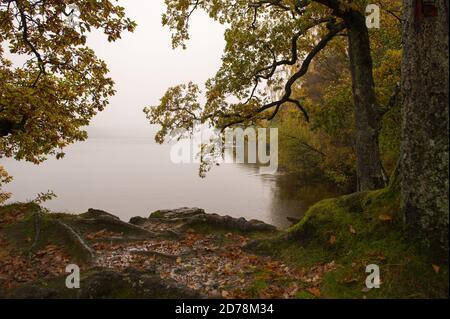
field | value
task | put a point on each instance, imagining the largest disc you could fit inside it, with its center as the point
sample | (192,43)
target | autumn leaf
(385,218)
(61,74)
(352,230)
(436,268)
(314,291)
(332,240)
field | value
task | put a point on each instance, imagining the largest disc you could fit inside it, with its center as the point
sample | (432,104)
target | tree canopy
(270,45)
(46,102)
(262,38)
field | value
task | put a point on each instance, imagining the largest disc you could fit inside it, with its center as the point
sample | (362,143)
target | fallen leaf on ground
(385,218)
(314,291)
(352,230)
(332,240)
(436,268)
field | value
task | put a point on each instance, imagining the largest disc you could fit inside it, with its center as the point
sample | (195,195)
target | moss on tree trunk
(424,158)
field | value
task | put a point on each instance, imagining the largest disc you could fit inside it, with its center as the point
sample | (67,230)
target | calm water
(134,177)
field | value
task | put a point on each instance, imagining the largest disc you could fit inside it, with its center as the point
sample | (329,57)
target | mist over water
(133,176)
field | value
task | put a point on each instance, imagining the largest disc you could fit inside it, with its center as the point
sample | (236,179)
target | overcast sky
(143,65)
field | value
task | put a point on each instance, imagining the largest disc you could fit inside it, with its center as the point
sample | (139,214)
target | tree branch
(289,84)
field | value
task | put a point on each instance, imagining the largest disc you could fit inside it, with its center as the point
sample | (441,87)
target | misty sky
(143,65)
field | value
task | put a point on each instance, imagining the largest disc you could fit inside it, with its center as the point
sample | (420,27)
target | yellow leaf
(436,268)
(352,230)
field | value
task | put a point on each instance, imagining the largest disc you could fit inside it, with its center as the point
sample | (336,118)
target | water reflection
(290,196)
(131,177)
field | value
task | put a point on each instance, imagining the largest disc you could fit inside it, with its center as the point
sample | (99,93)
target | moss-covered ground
(356,231)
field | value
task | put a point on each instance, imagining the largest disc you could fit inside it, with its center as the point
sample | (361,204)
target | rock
(293,220)
(132,283)
(138,220)
(30,291)
(190,216)
(96,213)
(94,223)
(155,288)
(240,224)
(183,212)
(101,283)
(84,237)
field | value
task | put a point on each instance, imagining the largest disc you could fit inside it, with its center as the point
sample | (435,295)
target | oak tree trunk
(424,154)
(367,111)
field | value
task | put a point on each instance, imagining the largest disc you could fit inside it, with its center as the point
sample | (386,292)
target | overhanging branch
(303,69)
(289,84)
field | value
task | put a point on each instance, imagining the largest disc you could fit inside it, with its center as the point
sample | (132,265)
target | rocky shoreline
(181,253)
(188,253)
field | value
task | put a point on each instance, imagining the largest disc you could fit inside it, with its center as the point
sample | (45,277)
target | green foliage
(259,283)
(46,102)
(4,179)
(263,40)
(180,100)
(325,148)
(44,197)
(157,214)
(285,57)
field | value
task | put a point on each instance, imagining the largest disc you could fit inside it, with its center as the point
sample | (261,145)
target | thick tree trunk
(425,84)
(367,111)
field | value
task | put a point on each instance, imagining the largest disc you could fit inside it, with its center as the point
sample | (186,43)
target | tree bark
(367,111)
(6,127)
(425,149)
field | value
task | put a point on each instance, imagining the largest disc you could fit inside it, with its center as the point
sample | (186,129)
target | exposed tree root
(77,238)
(37,232)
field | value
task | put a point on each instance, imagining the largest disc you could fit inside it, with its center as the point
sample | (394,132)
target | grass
(259,283)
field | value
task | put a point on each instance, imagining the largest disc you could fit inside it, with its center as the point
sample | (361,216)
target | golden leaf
(436,268)
(314,291)
(385,218)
